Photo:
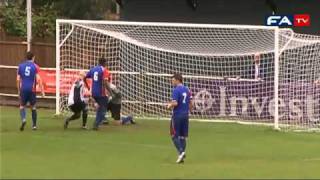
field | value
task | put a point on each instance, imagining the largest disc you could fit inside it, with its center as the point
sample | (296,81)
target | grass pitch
(215,150)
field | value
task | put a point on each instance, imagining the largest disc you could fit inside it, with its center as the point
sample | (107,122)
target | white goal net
(235,72)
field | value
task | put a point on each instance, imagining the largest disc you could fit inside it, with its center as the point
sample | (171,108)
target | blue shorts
(179,126)
(28,96)
(102,101)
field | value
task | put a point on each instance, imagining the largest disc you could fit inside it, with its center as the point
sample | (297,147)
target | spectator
(257,72)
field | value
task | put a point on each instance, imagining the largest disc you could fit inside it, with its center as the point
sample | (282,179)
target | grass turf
(214,150)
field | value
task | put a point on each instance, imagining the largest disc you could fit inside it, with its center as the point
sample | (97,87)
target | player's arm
(18,83)
(190,105)
(107,80)
(107,76)
(86,83)
(71,94)
(84,89)
(88,75)
(191,102)
(172,104)
(18,80)
(107,86)
(83,92)
(174,100)
(40,82)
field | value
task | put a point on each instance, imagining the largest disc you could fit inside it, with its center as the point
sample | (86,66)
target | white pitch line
(312,159)
(139,144)
(113,143)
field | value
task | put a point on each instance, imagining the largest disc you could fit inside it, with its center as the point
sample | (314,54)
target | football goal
(237,73)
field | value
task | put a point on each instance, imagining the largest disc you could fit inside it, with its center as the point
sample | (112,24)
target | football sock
(98,117)
(183,144)
(23,114)
(34,117)
(84,118)
(176,142)
(125,120)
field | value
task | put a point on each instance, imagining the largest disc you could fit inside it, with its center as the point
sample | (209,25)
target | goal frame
(277,52)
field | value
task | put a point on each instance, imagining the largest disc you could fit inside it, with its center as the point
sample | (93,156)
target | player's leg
(115,113)
(76,114)
(105,120)
(183,142)
(180,132)
(124,119)
(184,132)
(98,113)
(23,102)
(101,111)
(115,110)
(183,136)
(175,133)
(104,107)
(34,115)
(127,120)
(84,116)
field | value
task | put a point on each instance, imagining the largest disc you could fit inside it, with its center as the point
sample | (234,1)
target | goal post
(57,68)
(276,79)
(237,73)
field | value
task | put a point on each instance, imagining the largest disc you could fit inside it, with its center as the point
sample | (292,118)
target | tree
(85,9)
(45,12)
(13,19)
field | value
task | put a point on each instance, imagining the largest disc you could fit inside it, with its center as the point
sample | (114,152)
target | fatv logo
(301,20)
(288,20)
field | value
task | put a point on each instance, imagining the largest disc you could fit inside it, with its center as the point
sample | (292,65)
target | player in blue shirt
(99,75)
(181,105)
(27,79)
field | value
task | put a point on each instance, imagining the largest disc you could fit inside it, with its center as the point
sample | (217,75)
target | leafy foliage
(45,13)
(13,20)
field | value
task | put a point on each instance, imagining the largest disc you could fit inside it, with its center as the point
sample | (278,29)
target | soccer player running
(99,75)
(77,102)
(181,105)
(114,105)
(27,79)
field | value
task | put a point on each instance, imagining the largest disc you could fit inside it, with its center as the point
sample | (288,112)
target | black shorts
(78,107)
(115,110)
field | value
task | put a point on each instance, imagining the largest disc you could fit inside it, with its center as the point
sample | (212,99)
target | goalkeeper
(114,105)
(77,102)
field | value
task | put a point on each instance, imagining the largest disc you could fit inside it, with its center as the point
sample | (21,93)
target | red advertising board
(67,77)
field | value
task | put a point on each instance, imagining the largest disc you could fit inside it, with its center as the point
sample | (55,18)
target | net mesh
(229,70)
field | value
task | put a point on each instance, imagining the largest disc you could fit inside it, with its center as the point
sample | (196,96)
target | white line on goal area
(282,127)
(208,120)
